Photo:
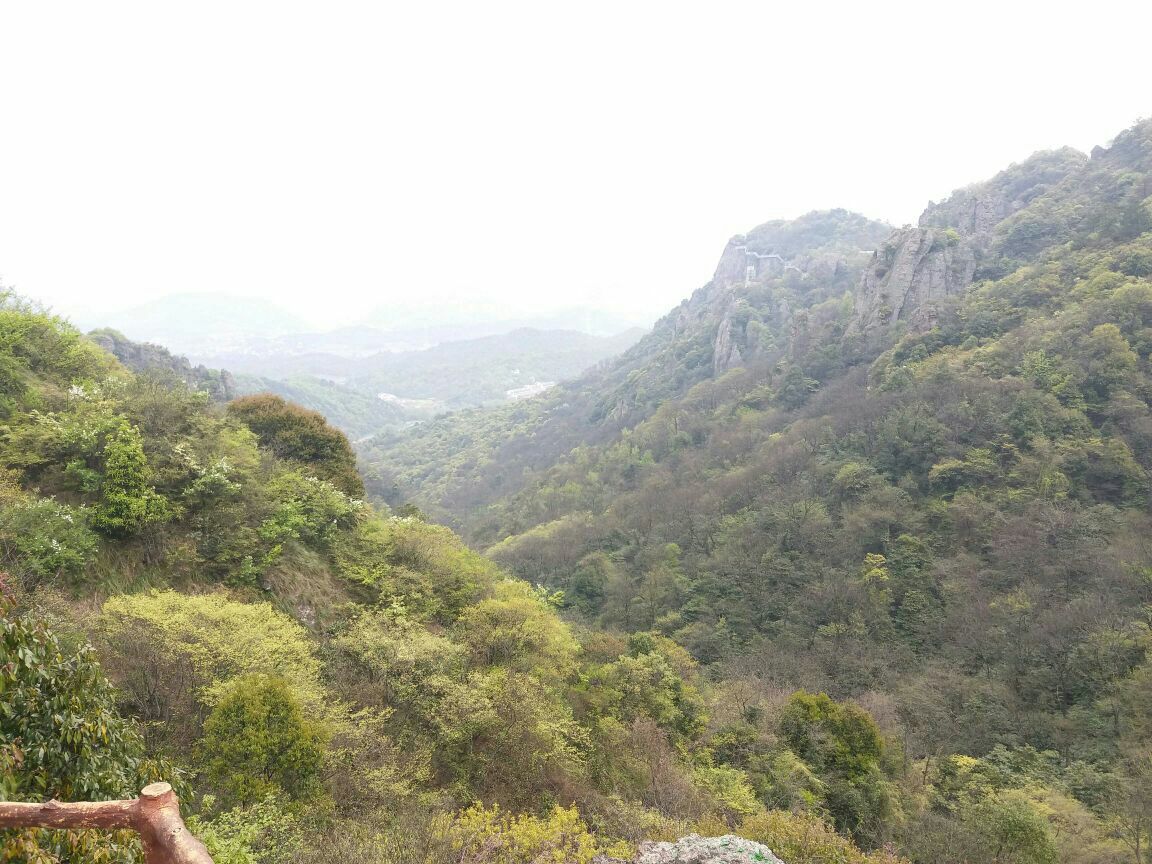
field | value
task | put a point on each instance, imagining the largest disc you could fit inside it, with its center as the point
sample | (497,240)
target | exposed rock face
(725,352)
(916,269)
(695,849)
(146,357)
(919,266)
(740,263)
(732,266)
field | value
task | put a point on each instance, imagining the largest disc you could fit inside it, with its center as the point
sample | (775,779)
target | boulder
(695,849)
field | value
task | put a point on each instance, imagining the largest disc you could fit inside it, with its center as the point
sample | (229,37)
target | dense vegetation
(945,524)
(458,465)
(862,593)
(321,680)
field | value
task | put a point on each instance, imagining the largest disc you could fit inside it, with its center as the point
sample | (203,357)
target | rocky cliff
(777,266)
(144,358)
(919,266)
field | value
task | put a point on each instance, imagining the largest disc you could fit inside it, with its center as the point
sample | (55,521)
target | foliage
(805,839)
(893,580)
(302,436)
(43,541)
(175,655)
(61,737)
(258,743)
(266,831)
(488,836)
(127,502)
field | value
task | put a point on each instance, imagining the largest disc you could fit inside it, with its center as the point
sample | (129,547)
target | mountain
(766,282)
(358,384)
(198,325)
(148,359)
(848,557)
(198,592)
(479,371)
(450,375)
(914,473)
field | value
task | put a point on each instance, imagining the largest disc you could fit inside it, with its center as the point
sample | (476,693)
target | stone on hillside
(695,849)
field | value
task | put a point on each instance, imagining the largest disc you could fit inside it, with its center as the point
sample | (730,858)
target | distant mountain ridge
(366,395)
(223,330)
(736,317)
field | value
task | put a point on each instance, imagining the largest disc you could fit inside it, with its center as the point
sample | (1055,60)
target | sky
(347,157)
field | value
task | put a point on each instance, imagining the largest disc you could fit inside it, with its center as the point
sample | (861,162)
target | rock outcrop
(144,357)
(917,267)
(725,352)
(695,849)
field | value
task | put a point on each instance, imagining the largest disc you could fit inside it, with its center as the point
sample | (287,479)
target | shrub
(61,737)
(488,836)
(803,838)
(42,540)
(258,743)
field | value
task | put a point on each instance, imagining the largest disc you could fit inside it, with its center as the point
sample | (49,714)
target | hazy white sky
(340,155)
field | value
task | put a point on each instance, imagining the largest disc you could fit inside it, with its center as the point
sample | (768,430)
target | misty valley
(847,559)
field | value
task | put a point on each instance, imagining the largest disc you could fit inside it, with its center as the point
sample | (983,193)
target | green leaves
(60,734)
(127,501)
(258,743)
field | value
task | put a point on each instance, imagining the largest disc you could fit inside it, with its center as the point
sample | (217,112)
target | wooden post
(155,816)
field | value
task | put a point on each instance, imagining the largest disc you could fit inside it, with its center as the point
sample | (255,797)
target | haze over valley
(606,434)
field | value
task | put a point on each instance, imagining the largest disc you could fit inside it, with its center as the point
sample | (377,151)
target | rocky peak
(918,266)
(914,270)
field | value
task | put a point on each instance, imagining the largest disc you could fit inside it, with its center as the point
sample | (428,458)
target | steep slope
(768,286)
(912,553)
(941,509)
(324,681)
(918,268)
(145,358)
(951,483)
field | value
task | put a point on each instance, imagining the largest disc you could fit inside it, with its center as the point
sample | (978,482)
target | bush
(487,836)
(61,737)
(127,501)
(174,656)
(258,743)
(42,540)
(301,436)
(802,838)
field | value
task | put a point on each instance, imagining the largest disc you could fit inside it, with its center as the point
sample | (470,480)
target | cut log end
(155,790)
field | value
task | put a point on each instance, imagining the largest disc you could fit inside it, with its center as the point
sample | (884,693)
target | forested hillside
(849,556)
(922,486)
(197,592)
(456,466)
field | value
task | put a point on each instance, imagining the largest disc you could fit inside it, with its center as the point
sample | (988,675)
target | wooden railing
(155,816)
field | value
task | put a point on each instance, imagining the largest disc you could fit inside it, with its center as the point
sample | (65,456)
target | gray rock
(144,357)
(695,849)
(725,351)
(920,266)
(917,268)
